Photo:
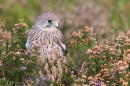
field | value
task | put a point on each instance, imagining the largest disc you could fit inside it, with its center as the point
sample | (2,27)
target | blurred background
(106,17)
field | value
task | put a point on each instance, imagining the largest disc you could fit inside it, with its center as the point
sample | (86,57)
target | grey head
(46,20)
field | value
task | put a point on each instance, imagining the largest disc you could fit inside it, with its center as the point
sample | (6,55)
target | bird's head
(54,23)
(46,20)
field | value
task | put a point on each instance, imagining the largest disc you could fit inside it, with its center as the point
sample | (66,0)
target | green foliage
(67,79)
(15,63)
(6,83)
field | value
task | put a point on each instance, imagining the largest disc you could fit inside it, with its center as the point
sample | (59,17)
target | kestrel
(46,34)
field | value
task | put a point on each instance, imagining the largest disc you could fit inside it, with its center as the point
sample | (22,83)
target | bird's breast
(50,46)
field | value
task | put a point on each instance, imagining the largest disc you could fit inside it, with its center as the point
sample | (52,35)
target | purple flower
(121,70)
(98,84)
(39,47)
(23,68)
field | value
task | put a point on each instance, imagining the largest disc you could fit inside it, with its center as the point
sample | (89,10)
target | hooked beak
(56,24)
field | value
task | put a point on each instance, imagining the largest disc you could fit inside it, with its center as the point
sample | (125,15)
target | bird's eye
(49,21)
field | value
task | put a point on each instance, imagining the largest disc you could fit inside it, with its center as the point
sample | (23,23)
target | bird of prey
(47,36)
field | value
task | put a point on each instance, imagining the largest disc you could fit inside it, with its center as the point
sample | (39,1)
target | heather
(95,63)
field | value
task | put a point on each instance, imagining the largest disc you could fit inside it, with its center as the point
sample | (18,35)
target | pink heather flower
(14,29)
(89,51)
(105,73)
(98,49)
(113,74)
(98,52)
(26,53)
(23,68)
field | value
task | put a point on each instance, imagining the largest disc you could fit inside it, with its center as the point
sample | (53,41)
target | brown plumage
(47,36)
